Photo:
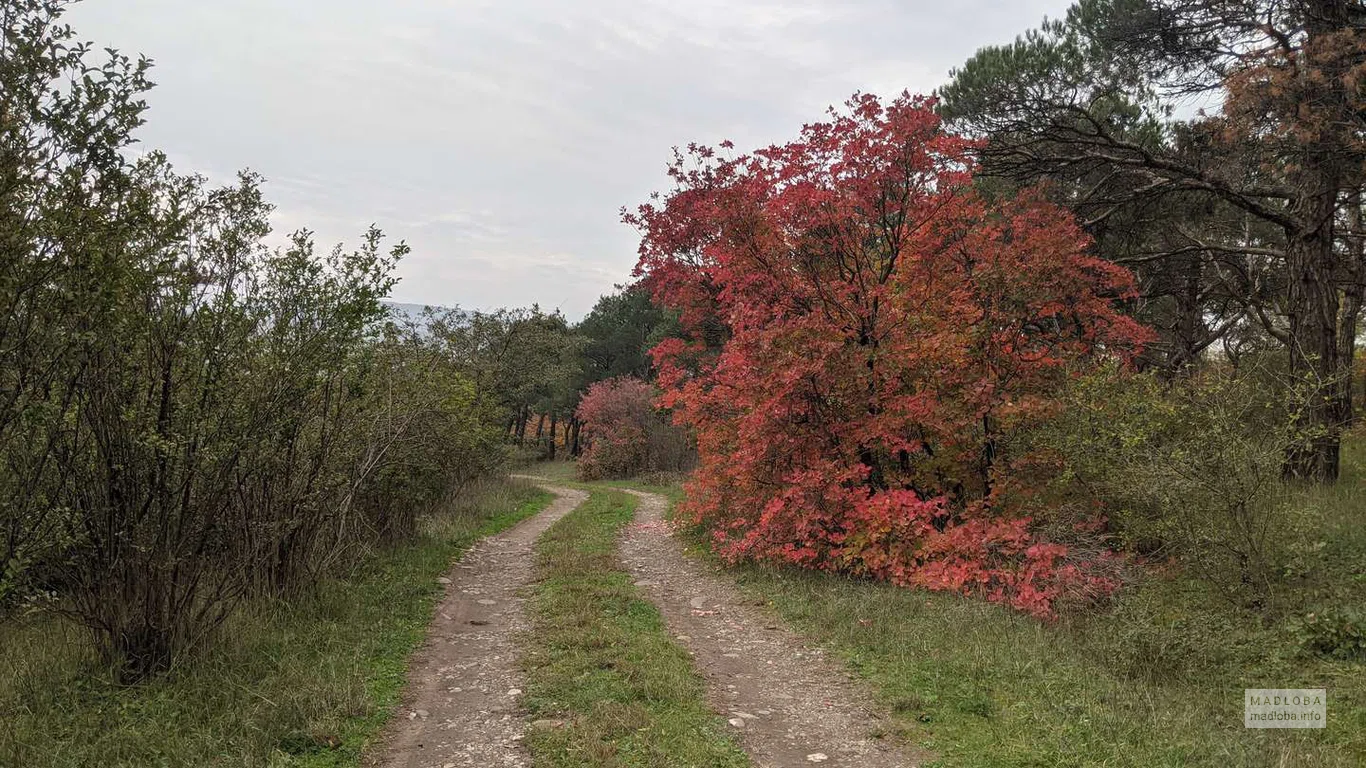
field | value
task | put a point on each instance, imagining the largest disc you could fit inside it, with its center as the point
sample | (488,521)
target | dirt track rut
(460,707)
(788,703)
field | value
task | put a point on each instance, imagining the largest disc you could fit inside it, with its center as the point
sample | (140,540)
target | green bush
(421,434)
(189,417)
(1188,469)
(1338,633)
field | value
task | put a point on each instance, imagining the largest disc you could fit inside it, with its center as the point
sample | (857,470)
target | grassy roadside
(983,687)
(607,687)
(301,684)
(563,473)
(1156,680)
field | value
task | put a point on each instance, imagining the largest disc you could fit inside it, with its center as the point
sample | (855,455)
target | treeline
(554,377)
(188,417)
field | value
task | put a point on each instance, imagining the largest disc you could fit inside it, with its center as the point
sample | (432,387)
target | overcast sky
(501,138)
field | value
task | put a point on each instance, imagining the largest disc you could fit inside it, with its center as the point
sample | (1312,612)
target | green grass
(559,472)
(1155,680)
(287,684)
(607,686)
(562,472)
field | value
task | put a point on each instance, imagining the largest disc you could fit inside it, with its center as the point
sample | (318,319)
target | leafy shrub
(186,415)
(624,435)
(421,432)
(204,460)
(863,338)
(1189,469)
(1336,633)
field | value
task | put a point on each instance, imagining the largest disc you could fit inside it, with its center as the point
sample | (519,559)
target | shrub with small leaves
(1188,469)
(1339,633)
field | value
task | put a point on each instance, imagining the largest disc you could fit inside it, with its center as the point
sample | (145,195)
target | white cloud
(501,137)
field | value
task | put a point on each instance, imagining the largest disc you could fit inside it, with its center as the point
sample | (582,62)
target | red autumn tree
(624,435)
(863,334)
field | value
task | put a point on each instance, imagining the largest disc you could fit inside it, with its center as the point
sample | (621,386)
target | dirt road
(789,704)
(460,708)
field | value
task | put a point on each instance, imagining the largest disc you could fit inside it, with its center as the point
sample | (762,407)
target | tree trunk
(554,435)
(1322,170)
(1313,315)
(574,426)
(1190,321)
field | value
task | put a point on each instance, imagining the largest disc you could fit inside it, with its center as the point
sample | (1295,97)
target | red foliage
(617,416)
(864,331)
